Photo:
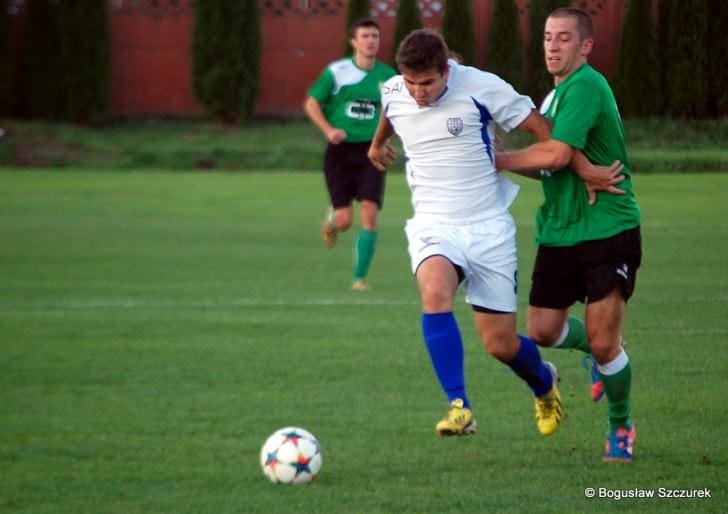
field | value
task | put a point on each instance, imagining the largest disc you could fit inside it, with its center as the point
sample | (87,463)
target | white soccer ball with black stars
(291,455)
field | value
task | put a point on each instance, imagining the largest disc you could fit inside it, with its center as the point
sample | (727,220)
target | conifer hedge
(226,51)
(458,29)
(505,43)
(41,95)
(409,18)
(637,78)
(717,72)
(66,60)
(7,74)
(84,34)
(685,58)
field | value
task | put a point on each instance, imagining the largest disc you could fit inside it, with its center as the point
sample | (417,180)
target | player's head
(365,37)
(567,41)
(423,50)
(422,59)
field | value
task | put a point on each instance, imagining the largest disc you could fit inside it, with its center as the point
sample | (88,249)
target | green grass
(156,327)
(655,145)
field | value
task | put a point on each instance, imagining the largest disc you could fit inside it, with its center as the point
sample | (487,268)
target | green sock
(366,242)
(619,405)
(576,338)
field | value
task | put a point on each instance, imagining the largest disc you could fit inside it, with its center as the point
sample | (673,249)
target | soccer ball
(291,455)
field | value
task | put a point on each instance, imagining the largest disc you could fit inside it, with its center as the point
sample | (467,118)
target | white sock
(616,365)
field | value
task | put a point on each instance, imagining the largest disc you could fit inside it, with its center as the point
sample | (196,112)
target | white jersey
(449,145)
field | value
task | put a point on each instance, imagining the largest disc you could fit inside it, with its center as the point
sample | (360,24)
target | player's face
(425,86)
(563,48)
(366,42)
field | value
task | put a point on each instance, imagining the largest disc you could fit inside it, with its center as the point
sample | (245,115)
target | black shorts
(586,272)
(351,175)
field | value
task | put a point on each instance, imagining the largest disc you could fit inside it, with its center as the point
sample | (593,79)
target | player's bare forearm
(381,152)
(537,125)
(548,155)
(316,115)
(518,162)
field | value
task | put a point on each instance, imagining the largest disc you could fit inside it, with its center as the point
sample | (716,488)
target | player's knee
(343,221)
(543,335)
(501,345)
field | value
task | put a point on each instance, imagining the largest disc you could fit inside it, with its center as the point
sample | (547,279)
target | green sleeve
(578,111)
(322,87)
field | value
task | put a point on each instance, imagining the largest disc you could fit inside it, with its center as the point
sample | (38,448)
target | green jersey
(350,97)
(585,116)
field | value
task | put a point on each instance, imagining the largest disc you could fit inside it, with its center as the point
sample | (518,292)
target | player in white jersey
(461,233)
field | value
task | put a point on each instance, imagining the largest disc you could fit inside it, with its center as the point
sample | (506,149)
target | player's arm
(536,125)
(314,112)
(381,153)
(597,178)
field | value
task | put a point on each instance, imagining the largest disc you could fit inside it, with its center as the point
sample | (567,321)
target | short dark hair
(423,50)
(363,23)
(583,21)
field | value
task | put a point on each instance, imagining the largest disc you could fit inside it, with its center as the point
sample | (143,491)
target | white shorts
(485,251)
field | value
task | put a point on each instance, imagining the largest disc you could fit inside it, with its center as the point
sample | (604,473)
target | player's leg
(339,216)
(491,290)
(610,282)
(604,320)
(497,330)
(437,279)
(365,245)
(370,191)
(432,256)
(556,284)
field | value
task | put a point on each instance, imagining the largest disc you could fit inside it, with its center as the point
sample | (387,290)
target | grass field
(156,327)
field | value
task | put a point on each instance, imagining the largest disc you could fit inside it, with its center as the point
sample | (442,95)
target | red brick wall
(151,62)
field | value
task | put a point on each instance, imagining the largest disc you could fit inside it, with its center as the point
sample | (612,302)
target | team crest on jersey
(455,126)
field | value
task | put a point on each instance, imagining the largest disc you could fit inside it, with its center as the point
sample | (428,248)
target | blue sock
(528,365)
(445,346)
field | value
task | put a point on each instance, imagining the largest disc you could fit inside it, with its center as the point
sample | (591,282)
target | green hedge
(637,77)
(66,60)
(7,74)
(226,57)
(409,18)
(458,29)
(505,43)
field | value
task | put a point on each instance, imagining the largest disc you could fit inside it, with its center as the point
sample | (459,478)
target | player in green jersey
(589,242)
(344,103)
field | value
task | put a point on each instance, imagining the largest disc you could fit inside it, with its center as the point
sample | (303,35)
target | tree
(637,79)
(357,10)
(41,94)
(685,58)
(7,72)
(458,29)
(84,34)
(505,43)
(226,57)
(538,80)
(717,70)
(66,74)
(409,18)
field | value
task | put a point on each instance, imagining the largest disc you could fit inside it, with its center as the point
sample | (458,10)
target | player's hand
(335,136)
(603,178)
(382,156)
(498,145)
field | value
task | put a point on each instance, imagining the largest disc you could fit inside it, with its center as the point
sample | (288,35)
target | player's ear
(446,73)
(586,46)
